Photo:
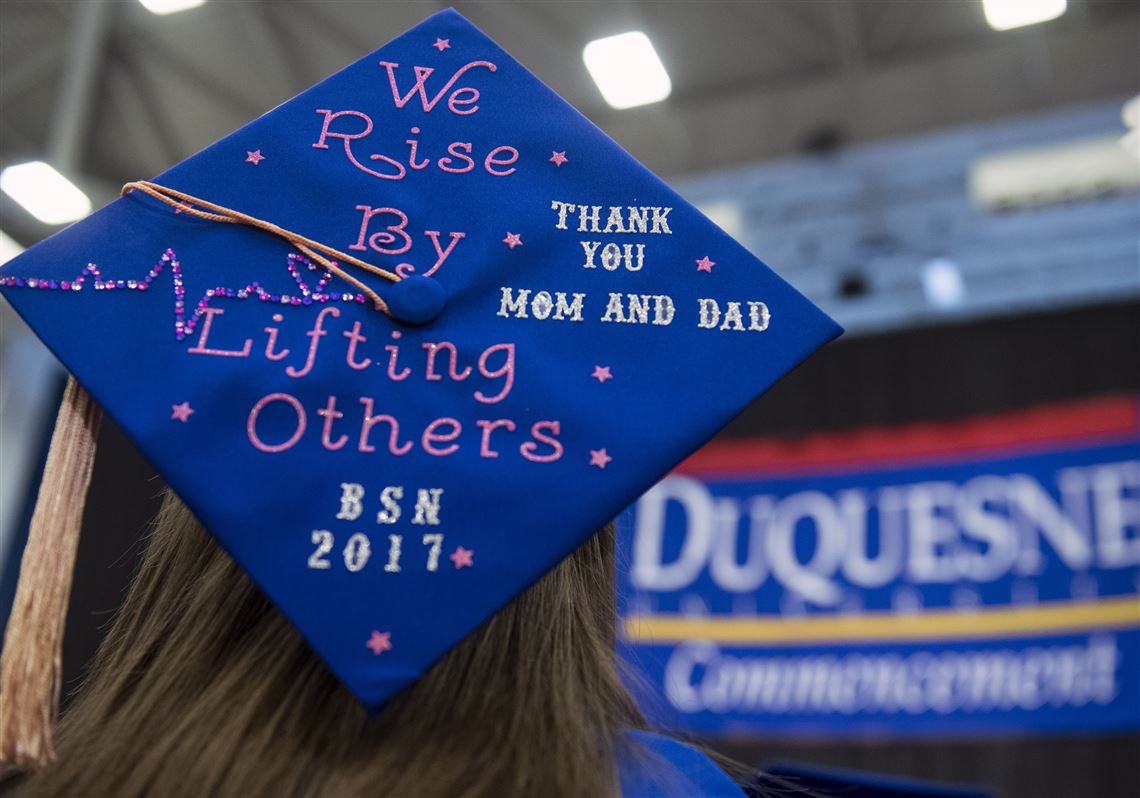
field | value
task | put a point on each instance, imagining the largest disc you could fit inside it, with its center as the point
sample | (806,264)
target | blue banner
(960,589)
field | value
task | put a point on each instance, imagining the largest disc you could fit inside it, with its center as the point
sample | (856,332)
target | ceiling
(752,80)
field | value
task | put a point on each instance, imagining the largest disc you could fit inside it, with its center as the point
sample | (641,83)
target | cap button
(416,300)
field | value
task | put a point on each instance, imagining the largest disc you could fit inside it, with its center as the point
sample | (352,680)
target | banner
(952,578)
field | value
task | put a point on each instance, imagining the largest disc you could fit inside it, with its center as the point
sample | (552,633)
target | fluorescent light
(1078,169)
(726,215)
(1007,14)
(1130,142)
(1130,113)
(44,192)
(627,70)
(942,283)
(164,7)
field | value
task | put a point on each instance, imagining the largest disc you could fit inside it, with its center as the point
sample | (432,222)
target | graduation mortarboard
(406,341)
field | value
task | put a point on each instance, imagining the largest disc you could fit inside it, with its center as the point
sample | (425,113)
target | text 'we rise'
(353,128)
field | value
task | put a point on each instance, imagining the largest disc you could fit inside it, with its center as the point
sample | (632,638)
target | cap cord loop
(313,249)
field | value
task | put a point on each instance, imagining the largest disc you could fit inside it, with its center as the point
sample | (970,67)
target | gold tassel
(31,661)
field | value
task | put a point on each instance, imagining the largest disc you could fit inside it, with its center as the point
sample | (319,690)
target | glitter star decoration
(181,412)
(599,458)
(558,158)
(254,157)
(705,265)
(602,373)
(463,558)
(379,642)
(513,240)
(442,44)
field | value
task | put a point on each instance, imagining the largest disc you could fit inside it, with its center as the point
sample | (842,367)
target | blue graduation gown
(660,767)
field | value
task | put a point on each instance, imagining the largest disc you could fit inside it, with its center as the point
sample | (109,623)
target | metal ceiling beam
(538,23)
(355,42)
(73,107)
(152,136)
(788,28)
(277,75)
(887,32)
(894,99)
(14,140)
(31,72)
(178,66)
(844,18)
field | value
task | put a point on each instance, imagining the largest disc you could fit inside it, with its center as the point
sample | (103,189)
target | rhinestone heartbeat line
(183,326)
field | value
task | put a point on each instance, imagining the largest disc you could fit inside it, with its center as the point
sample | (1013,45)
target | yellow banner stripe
(1055,617)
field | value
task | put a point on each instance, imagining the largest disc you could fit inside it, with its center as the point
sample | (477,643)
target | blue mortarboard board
(561,329)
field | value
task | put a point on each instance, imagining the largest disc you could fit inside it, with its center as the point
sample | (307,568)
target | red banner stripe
(1084,422)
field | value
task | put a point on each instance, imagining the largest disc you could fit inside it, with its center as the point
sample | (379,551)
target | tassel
(31,660)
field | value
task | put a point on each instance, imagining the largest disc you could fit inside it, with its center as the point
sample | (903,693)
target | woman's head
(202,687)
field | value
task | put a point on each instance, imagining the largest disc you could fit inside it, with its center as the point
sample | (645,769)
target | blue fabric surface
(661,767)
(287,457)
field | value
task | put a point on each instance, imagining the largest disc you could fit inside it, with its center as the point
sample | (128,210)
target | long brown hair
(201,687)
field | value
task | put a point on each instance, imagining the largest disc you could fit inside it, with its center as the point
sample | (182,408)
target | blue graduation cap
(406,341)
